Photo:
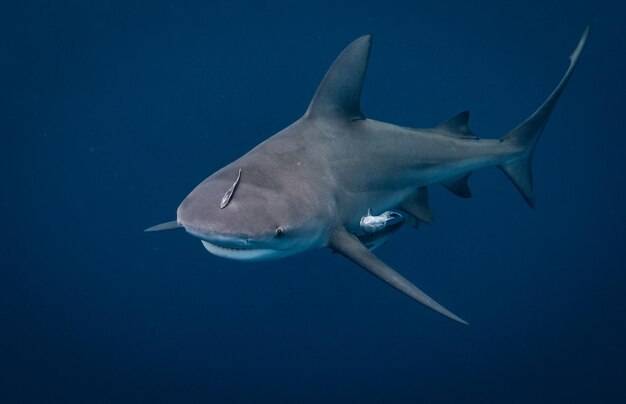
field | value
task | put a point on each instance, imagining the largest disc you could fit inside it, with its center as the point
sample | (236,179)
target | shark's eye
(279,231)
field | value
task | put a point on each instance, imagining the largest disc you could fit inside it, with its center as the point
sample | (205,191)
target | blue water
(110,113)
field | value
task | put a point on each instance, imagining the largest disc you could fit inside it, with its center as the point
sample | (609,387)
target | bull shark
(337,179)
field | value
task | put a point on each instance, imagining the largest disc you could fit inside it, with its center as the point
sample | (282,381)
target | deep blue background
(111,113)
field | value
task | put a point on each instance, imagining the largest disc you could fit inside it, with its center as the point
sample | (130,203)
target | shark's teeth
(243,254)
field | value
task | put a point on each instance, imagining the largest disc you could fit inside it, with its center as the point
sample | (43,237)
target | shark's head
(247,214)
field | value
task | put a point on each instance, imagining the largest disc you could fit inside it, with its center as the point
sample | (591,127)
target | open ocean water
(111,112)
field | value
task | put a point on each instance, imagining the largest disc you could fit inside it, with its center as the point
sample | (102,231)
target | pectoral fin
(350,247)
(173,225)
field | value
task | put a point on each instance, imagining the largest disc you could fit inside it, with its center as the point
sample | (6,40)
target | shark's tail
(526,135)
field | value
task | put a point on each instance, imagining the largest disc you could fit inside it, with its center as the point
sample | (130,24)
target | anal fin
(459,186)
(350,247)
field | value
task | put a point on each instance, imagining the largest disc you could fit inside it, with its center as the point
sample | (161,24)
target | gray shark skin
(309,185)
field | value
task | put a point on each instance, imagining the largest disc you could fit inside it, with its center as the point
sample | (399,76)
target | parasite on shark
(309,185)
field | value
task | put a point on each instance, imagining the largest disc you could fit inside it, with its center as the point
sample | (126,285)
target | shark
(337,179)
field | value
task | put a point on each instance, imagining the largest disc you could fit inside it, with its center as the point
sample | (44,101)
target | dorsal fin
(339,93)
(458,186)
(458,126)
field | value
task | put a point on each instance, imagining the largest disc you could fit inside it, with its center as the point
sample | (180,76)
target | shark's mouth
(244,254)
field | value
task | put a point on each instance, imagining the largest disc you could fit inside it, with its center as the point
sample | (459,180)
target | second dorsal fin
(339,93)
(458,126)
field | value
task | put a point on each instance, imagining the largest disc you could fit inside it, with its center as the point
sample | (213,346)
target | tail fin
(526,135)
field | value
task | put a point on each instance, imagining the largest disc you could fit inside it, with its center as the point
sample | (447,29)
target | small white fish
(371,224)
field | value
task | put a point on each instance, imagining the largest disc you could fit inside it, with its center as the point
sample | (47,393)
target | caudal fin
(526,135)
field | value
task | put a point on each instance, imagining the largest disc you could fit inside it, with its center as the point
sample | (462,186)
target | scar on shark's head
(280,230)
(229,194)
